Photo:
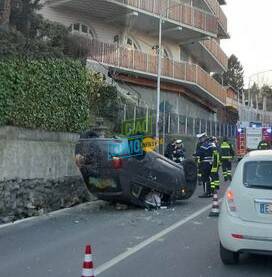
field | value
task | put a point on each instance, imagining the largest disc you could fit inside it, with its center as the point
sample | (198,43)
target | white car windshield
(258,174)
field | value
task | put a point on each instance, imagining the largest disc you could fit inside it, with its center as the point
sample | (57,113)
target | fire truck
(249,136)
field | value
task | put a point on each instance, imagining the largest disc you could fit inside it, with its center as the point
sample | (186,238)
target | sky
(250,26)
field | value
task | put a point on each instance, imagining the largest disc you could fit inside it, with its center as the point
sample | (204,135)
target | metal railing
(232,102)
(222,19)
(134,60)
(176,11)
(175,124)
(214,47)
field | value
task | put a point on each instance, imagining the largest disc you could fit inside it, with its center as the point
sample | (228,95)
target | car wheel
(228,257)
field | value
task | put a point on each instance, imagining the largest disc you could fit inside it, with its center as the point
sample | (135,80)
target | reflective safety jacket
(216,161)
(263,145)
(226,151)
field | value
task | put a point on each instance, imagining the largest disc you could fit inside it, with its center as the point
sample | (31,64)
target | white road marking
(143,244)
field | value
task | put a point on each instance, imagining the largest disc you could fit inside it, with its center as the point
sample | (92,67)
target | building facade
(124,45)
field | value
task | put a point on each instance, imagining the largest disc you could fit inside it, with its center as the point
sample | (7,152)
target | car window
(258,174)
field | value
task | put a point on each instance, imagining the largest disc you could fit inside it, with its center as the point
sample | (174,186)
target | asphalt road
(181,241)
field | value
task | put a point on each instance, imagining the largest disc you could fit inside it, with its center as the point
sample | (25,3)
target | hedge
(49,94)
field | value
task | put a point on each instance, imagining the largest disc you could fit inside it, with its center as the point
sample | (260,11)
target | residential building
(124,44)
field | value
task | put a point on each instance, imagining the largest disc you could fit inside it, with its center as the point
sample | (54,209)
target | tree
(234,76)
(266,94)
(23,16)
(33,36)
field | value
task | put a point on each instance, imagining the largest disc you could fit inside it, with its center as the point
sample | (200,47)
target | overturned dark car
(130,179)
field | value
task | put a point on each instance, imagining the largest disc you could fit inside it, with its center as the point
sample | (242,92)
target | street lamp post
(159,80)
(159,68)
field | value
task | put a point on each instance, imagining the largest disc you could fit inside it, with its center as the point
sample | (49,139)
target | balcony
(195,23)
(232,103)
(130,61)
(209,54)
(214,5)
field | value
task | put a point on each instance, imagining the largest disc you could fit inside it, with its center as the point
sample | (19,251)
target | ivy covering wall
(50,94)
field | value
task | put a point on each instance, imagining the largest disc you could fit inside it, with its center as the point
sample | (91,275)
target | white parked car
(245,221)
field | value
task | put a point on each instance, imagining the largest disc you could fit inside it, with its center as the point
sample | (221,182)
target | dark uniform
(205,154)
(227,154)
(198,161)
(178,154)
(170,149)
(263,145)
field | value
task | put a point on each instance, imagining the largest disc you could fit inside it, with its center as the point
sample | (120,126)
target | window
(258,174)
(76,27)
(165,53)
(81,29)
(131,44)
(155,50)
(84,29)
(184,57)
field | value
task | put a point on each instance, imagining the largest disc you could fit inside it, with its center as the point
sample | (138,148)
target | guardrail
(176,11)
(135,60)
(232,102)
(217,51)
(222,19)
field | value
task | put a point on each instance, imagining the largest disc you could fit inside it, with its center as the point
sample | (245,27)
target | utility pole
(159,79)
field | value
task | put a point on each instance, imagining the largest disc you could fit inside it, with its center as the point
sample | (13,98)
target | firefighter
(264,145)
(227,154)
(205,154)
(215,183)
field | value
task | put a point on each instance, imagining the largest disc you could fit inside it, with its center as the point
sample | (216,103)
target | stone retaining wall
(37,173)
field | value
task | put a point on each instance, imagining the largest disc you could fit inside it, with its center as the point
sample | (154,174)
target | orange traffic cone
(215,206)
(87,268)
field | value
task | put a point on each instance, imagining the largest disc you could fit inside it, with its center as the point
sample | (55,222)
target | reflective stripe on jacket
(226,151)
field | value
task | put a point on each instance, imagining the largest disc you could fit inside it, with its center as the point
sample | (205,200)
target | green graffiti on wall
(141,125)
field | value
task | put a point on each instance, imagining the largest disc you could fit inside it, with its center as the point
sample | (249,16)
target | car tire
(228,257)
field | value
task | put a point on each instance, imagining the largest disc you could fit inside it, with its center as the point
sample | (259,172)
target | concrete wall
(29,154)
(179,104)
(37,173)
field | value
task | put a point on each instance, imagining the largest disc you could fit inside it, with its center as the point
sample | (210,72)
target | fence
(172,123)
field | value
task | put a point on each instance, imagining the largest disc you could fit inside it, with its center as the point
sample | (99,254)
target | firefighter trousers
(215,183)
(226,168)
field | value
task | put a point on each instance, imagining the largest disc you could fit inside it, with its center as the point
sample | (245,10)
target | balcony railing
(144,63)
(231,102)
(178,12)
(217,51)
(215,6)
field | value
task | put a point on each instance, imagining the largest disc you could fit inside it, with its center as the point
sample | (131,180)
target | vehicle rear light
(237,236)
(117,162)
(230,202)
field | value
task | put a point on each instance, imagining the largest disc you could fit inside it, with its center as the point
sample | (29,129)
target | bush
(50,94)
